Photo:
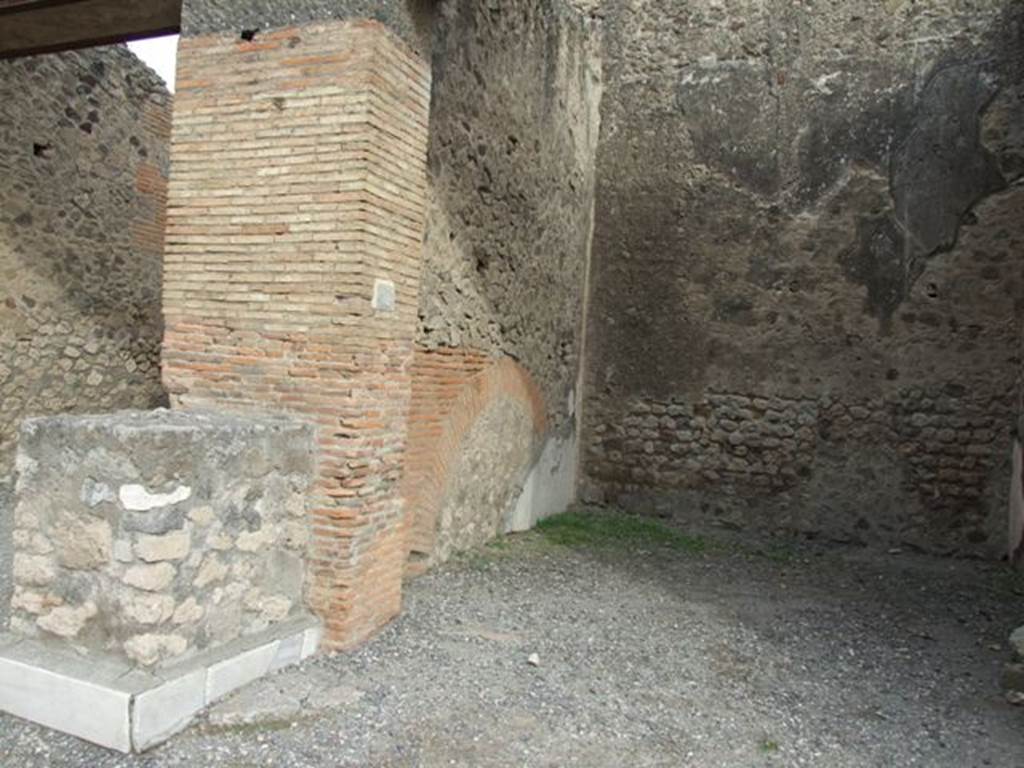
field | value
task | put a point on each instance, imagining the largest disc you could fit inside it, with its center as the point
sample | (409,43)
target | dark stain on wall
(939,171)
(807,281)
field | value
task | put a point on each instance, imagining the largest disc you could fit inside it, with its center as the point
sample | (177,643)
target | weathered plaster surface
(807,266)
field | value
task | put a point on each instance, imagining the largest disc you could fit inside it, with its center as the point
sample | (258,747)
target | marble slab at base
(108,702)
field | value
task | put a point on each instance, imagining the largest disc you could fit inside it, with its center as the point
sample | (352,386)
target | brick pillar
(295,221)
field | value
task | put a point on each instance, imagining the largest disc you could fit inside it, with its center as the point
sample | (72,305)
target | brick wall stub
(298,184)
(452,390)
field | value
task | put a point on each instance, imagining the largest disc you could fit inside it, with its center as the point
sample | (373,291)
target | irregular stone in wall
(67,621)
(83,544)
(151,578)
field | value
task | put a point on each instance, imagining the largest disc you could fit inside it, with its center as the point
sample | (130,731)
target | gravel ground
(648,656)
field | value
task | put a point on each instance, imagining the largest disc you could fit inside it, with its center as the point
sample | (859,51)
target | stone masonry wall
(513,131)
(155,535)
(513,137)
(807,266)
(293,268)
(83,162)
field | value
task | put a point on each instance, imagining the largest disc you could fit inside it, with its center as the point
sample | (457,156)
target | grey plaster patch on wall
(408,18)
(550,485)
(6,548)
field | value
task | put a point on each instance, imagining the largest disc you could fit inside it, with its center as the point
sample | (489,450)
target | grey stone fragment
(155,522)
(259,703)
(6,548)
(1012,682)
(1017,642)
(334,697)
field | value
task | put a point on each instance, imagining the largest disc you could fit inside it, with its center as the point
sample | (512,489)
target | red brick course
(151,183)
(451,389)
(298,179)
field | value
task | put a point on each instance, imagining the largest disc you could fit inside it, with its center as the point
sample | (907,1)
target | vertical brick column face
(296,195)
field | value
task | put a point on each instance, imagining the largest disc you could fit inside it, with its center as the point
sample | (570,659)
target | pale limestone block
(170,546)
(254,541)
(33,570)
(161,712)
(150,648)
(147,608)
(67,621)
(296,534)
(32,542)
(221,542)
(36,603)
(151,578)
(212,570)
(188,612)
(84,545)
(202,516)
(276,608)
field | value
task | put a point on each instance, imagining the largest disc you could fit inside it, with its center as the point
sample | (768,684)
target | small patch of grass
(768,746)
(777,552)
(501,544)
(614,530)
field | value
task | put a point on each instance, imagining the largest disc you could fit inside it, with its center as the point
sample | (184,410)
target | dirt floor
(652,649)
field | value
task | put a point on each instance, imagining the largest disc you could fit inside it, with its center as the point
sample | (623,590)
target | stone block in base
(111,703)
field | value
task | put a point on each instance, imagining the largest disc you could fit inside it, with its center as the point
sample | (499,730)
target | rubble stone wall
(83,157)
(513,138)
(155,535)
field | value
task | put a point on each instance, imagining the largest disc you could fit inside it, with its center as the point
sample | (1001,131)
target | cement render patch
(108,702)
